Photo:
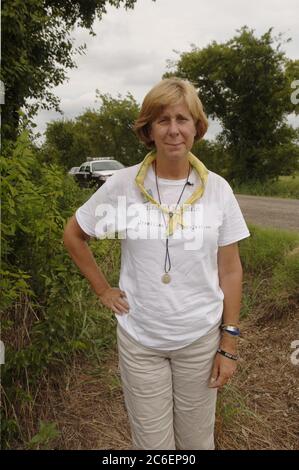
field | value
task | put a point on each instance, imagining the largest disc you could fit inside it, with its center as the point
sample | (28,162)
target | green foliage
(246,84)
(286,275)
(265,249)
(30,225)
(270,260)
(284,186)
(47,433)
(39,49)
(64,145)
(49,312)
(96,133)
(213,155)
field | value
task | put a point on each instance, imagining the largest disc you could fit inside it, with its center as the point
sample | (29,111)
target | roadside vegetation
(52,323)
(60,385)
(283,186)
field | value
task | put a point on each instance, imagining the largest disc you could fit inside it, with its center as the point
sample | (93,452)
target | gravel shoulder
(270,211)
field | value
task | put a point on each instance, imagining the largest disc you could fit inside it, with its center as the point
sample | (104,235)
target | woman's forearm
(231,285)
(81,254)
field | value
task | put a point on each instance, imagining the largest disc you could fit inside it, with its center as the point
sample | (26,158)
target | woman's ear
(199,130)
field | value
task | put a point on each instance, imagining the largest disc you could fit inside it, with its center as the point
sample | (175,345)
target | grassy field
(285,186)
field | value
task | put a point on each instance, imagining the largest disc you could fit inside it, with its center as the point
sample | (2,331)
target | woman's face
(173,132)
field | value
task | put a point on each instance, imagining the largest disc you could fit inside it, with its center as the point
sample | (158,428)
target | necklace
(166,278)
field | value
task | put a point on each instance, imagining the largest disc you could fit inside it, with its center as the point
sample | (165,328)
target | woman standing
(180,284)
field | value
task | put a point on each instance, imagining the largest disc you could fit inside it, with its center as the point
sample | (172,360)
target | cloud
(131,48)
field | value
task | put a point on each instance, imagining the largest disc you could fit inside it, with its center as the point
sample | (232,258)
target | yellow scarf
(177,217)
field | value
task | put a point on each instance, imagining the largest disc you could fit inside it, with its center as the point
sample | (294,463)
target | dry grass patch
(257,410)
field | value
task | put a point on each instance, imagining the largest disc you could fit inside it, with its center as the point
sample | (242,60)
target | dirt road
(270,211)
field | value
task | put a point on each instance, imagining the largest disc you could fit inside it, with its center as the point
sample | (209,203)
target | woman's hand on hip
(115,299)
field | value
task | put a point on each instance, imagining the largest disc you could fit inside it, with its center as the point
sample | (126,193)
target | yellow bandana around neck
(177,217)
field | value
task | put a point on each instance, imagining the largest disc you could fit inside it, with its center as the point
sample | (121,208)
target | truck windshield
(108,165)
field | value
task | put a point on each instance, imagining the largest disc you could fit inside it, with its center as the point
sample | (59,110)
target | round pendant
(166,278)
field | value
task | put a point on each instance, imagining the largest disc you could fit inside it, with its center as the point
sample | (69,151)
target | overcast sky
(131,48)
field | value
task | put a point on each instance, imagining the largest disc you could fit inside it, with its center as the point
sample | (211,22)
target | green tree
(111,131)
(246,84)
(213,155)
(96,133)
(66,144)
(39,50)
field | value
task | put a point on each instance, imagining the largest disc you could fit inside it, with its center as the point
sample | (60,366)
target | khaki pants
(166,393)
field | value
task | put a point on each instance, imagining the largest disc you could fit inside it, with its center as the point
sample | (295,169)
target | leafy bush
(49,311)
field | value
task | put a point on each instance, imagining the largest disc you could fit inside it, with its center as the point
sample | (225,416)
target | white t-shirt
(166,316)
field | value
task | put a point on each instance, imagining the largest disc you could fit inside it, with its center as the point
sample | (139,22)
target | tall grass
(285,187)
(270,261)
